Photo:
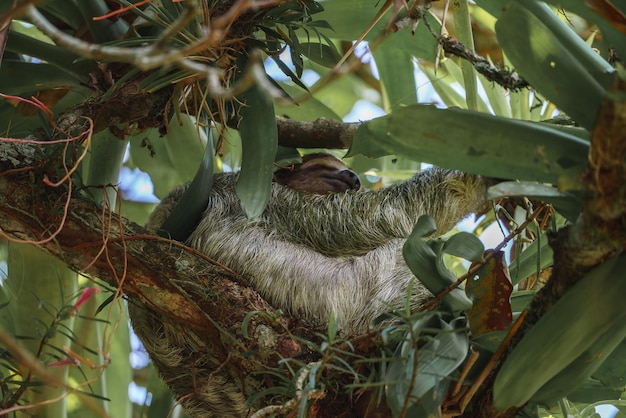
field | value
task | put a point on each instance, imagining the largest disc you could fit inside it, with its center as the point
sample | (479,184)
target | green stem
(463,26)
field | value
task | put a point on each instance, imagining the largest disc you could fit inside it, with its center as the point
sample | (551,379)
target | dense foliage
(529,93)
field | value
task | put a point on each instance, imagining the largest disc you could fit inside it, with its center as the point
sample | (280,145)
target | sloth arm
(354,223)
(350,223)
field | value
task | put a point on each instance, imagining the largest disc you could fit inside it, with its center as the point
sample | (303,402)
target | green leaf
(25,78)
(61,58)
(577,372)
(425,259)
(421,258)
(187,213)
(554,59)
(443,80)
(397,76)
(610,31)
(349,18)
(172,160)
(475,142)
(101,31)
(65,11)
(464,245)
(563,334)
(436,360)
(320,53)
(521,298)
(567,204)
(259,137)
(23,121)
(612,373)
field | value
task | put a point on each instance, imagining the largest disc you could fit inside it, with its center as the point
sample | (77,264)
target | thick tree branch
(176,287)
(174,280)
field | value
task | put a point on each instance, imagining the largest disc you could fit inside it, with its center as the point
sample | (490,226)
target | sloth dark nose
(351,179)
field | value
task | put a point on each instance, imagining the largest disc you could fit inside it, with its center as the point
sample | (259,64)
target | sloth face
(319,174)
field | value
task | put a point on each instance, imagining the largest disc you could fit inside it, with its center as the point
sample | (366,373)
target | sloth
(323,247)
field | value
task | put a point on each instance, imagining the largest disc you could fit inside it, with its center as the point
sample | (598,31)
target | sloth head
(318,174)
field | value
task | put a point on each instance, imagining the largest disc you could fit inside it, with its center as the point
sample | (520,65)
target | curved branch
(166,275)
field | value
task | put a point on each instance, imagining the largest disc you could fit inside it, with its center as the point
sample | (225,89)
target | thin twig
(474,269)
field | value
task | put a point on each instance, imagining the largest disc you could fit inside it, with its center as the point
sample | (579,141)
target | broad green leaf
(577,372)
(567,204)
(138,212)
(572,325)
(101,30)
(521,298)
(490,341)
(185,143)
(259,138)
(425,259)
(188,211)
(64,11)
(25,78)
(61,58)
(475,142)
(436,360)
(149,153)
(612,373)
(608,15)
(464,245)
(420,257)
(396,71)
(554,59)
(323,54)
(171,160)
(308,110)
(349,18)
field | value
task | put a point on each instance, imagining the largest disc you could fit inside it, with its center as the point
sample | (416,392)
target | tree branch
(322,133)
(170,287)
(172,279)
